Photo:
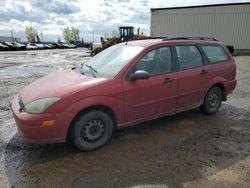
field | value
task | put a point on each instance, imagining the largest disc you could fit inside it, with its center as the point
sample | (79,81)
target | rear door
(193,76)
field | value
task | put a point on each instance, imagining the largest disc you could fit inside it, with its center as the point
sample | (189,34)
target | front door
(156,95)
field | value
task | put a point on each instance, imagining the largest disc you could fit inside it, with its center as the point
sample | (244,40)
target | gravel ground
(189,149)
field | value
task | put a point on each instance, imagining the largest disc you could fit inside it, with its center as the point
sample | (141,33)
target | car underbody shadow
(170,150)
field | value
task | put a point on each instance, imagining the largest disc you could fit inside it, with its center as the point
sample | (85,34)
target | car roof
(152,42)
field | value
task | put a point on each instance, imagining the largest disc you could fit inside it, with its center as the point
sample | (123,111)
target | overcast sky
(100,16)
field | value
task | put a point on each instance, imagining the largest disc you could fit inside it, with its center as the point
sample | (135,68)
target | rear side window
(215,54)
(188,57)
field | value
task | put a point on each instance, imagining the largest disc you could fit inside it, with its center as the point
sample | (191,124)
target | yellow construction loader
(126,33)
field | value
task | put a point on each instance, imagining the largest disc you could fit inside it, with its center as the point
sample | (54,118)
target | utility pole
(93,36)
(42,36)
(11,32)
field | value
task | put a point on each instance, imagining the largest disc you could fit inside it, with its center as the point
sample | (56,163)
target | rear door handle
(168,80)
(204,71)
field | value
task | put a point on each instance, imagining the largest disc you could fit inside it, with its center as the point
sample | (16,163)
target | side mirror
(139,75)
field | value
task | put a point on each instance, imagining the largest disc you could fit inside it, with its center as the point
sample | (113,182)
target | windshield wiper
(91,68)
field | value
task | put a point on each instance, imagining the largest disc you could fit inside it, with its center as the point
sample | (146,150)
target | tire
(92,130)
(212,101)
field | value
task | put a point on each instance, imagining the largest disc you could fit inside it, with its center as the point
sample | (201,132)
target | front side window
(215,54)
(188,57)
(156,62)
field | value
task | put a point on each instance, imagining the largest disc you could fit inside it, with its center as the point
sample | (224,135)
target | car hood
(60,84)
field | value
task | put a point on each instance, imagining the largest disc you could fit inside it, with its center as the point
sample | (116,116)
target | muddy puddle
(166,151)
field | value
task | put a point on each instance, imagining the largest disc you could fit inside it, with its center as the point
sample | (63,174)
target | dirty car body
(122,86)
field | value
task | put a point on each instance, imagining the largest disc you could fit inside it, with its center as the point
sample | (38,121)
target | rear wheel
(212,101)
(92,130)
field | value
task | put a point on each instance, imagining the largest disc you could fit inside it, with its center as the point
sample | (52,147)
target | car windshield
(108,63)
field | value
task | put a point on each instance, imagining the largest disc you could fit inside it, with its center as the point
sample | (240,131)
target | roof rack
(157,37)
(190,38)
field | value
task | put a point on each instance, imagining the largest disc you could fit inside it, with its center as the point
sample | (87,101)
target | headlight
(40,105)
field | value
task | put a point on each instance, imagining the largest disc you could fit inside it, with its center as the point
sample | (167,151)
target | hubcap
(93,130)
(213,100)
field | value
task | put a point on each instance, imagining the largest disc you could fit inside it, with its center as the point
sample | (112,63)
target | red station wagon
(122,86)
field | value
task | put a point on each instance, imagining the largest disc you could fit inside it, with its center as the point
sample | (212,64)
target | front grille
(20,103)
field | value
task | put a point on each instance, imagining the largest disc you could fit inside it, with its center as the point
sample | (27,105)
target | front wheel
(212,101)
(92,130)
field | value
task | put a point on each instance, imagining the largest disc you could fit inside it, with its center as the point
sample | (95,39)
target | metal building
(229,23)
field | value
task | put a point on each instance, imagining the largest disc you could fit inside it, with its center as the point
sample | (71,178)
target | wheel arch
(222,87)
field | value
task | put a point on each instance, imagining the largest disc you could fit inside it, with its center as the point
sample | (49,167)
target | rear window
(215,54)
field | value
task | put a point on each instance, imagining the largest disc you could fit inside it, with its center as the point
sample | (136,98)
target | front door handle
(204,71)
(168,80)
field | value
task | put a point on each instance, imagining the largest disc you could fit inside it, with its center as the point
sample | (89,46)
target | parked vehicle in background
(40,46)
(35,46)
(87,44)
(48,46)
(58,45)
(12,46)
(72,45)
(19,45)
(68,45)
(80,44)
(4,47)
(124,85)
(31,46)
(65,45)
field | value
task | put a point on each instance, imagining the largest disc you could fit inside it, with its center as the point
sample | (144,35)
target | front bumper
(31,128)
